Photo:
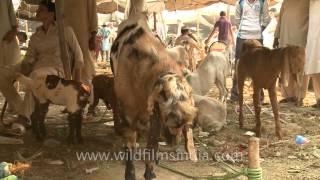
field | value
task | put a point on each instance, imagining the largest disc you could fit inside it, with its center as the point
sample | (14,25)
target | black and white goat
(53,89)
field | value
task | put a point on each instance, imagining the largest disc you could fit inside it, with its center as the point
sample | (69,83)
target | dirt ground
(279,159)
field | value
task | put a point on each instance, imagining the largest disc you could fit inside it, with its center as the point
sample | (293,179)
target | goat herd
(150,92)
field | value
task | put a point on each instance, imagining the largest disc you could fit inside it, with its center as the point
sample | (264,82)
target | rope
(251,173)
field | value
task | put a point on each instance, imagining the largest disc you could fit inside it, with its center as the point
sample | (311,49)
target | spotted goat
(150,88)
(52,89)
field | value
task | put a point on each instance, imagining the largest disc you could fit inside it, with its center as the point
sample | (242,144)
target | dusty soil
(279,159)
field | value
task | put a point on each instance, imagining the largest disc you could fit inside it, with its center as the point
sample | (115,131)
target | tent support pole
(62,41)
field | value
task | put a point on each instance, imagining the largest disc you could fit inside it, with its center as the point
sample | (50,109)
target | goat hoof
(40,139)
(258,134)
(40,136)
(70,140)
(279,135)
(149,175)
(80,140)
(130,176)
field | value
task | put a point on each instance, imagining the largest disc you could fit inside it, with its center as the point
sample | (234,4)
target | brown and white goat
(263,66)
(150,88)
(53,89)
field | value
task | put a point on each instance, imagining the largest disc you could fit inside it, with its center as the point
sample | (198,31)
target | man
(83,19)
(42,58)
(9,46)
(292,29)
(251,18)
(105,48)
(312,66)
(187,39)
(224,27)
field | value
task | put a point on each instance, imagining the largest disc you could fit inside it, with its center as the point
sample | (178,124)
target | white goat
(213,70)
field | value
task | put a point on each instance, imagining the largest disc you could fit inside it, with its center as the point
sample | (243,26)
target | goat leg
(130,169)
(274,104)
(116,119)
(92,107)
(72,126)
(131,137)
(240,92)
(152,144)
(78,122)
(43,110)
(221,84)
(257,109)
(37,119)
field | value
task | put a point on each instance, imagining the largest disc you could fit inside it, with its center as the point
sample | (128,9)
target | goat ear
(285,71)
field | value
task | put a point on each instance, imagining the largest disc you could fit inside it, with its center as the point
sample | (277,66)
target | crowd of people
(297,23)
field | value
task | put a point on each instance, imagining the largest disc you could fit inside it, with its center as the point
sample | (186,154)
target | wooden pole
(228,12)
(198,23)
(26,26)
(155,21)
(253,155)
(65,58)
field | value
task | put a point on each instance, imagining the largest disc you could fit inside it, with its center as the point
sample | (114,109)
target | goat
(213,70)
(103,88)
(212,114)
(263,66)
(53,89)
(180,55)
(150,88)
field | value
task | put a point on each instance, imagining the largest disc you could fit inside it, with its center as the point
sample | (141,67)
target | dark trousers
(234,90)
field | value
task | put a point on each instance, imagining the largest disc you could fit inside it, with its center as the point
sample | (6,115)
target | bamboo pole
(65,58)
(253,155)
(228,12)
(155,21)
(198,23)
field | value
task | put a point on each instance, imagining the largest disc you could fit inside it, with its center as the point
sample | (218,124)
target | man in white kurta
(9,47)
(82,17)
(292,29)
(312,66)
(42,58)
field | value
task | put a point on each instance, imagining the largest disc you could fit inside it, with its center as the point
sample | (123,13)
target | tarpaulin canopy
(170,5)
(28,8)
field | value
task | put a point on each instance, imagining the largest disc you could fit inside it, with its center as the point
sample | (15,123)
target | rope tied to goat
(251,173)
